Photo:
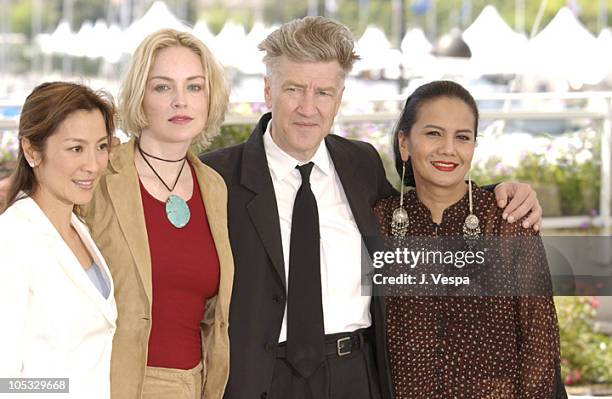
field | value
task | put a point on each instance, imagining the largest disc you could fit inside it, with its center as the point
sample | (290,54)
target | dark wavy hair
(44,110)
(422,95)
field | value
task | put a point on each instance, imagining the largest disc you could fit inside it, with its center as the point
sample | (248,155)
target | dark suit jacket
(258,298)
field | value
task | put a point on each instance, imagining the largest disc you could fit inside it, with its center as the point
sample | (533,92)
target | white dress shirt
(345,309)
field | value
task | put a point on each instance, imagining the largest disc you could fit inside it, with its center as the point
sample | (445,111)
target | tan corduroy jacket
(116,219)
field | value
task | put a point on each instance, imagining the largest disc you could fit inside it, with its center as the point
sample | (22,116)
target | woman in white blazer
(56,292)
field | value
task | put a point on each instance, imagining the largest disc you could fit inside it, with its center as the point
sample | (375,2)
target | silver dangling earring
(399,222)
(471,226)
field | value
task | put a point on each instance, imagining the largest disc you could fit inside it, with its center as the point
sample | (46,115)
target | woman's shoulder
(491,216)
(386,205)
(21,212)
(9,221)
(383,211)
(20,224)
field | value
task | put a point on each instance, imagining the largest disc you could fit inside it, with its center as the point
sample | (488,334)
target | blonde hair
(132,118)
(310,39)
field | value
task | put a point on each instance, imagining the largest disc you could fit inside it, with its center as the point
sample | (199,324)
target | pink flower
(572,377)
(594,302)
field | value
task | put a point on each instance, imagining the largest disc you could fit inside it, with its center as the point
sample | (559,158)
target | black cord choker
(158,158)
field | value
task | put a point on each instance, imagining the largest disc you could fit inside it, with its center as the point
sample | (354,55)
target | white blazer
(55,323)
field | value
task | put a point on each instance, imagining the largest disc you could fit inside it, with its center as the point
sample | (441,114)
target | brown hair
(310,39)
(132,117)
(44,110)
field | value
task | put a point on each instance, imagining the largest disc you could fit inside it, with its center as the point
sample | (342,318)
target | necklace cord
(158,158)
(170,189)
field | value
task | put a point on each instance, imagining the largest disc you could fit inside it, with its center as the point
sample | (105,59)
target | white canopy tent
(566,49)
(91,41)
(495,47)
(415,43)
(605,47)
(230,46)
(111,52)
(43,41)
(202,32)
(157,17)
(84,43)
(416,53)
(253,58)
(374,49)
(58,42)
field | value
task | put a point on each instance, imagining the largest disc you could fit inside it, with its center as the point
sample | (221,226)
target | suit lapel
(356,190)
(124,193)
(262,209)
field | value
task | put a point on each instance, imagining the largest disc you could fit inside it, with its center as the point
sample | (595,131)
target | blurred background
(540,70)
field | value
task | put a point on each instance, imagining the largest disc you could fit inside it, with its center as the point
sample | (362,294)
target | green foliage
(277,12)
(88,10)
(574,186)
(230,135)
(376,12)
(51,14)
(566,186)
(578,184)
(217,14)
(21,20)
(586,355)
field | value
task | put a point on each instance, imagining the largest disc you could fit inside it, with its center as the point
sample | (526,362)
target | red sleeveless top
(185,273)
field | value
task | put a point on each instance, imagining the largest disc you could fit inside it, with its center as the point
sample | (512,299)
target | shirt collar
(282,164)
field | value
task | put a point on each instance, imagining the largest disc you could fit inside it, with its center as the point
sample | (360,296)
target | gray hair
(310,39)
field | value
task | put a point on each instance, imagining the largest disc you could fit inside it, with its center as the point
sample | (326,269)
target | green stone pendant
(177,211)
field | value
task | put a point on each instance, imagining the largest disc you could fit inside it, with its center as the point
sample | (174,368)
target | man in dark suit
(299,201)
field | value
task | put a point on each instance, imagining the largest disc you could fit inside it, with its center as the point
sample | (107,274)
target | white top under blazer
(55,322)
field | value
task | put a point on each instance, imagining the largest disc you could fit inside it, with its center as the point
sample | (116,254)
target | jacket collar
(26,209)
(124,193)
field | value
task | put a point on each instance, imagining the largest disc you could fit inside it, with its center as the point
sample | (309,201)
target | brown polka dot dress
(471,347)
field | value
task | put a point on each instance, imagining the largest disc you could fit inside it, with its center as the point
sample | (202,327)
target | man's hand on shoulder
(523,201)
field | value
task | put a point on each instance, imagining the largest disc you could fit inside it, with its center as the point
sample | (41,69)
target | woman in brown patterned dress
(461,346)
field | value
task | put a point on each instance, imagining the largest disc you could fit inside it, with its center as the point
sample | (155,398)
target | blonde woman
(159,218)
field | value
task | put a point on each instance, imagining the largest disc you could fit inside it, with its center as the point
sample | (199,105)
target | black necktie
(305,329)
